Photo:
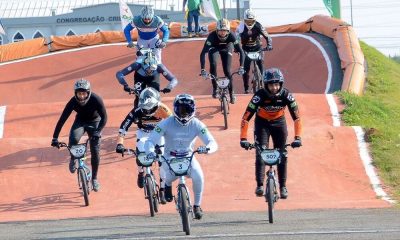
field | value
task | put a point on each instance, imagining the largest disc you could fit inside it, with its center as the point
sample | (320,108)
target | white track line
(369,168)
(2,116)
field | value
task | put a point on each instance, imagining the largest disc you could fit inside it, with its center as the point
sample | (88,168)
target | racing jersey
(147,32)
(145,123)
(136,66)
(250,38)
(272,109)
(180,139)
(93,110)
(213,41)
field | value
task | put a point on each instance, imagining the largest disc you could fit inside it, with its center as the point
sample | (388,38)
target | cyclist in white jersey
(180,132)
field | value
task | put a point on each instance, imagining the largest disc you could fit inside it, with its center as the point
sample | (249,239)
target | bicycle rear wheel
(84,185)
(257,78)
(224,106)
(150,194)
(270,197)
(183,201)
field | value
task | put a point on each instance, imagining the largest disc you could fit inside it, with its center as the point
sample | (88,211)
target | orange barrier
(23,49)
(351,56)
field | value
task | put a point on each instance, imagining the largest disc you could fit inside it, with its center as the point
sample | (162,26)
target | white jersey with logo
(179,138)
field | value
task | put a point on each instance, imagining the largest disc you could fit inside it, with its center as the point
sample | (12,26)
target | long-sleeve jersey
(93,110)
(213,41)
(146,32)
(271,109)
(137,66)
(250,39)
(179,139)
(146,123)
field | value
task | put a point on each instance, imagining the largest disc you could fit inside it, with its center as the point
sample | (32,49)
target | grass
(378,112)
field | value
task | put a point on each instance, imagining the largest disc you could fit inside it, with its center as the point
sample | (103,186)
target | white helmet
(249,18)
(149,100)
(147,14)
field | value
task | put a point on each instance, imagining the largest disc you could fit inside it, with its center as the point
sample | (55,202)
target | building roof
(44,8)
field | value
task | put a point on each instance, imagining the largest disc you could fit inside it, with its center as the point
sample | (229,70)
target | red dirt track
(35,182)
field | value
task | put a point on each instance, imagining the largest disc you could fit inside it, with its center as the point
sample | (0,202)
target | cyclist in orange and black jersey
(269,105)
(249,32)
(146,116)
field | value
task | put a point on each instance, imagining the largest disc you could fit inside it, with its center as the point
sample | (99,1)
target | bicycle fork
(271,175)
(88,173)
(182,187)
(155,185)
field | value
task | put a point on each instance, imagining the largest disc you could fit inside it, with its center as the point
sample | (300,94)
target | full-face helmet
(149,100)
(82,85)
(223,29)
(184,108)
(147,14)
(249,18)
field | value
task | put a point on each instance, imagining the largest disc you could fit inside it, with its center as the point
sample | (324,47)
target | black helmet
(273,75)
(184,108)
(82,85)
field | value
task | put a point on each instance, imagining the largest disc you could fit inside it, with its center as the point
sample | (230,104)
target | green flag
(210,8)
(333,7)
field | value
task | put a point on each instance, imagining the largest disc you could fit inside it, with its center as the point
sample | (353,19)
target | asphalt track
(326,173)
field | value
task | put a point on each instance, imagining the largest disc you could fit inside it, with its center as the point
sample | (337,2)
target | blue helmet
(184,108)
(273,75)
(148,14)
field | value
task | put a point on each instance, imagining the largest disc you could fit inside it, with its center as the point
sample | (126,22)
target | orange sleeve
(298,128)
(244,125)
(164,111)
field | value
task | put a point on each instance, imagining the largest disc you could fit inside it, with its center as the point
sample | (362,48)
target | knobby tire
(225,111)
(150,195)
(84,185)
(184,208)
(270,195)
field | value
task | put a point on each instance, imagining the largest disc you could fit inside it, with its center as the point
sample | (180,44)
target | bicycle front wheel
(150,194)
(270,197)
(257,78)
(84,185)
(225,111)
(183,201)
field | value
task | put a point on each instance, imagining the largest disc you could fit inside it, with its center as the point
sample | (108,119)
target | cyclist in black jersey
(249,32)
(221,41)
(91,117)
(269,106)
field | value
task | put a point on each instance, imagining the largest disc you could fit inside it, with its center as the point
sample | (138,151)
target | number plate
(270,157)
(144,160)
(179,166)
(223,82)
(253,55)
(78,151)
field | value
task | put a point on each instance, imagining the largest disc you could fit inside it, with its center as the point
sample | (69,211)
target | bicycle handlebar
(63,144)
(257,146)
(210,76)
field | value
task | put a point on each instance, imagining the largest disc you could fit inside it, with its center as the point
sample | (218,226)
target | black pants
(278,131)
(247,64)
(142,82)
(77,130)
(226,58)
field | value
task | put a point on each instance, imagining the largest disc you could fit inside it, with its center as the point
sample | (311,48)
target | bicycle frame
(78,152)
(223,91)
(150,186)
(257,74)
(270,157)
(180,167)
